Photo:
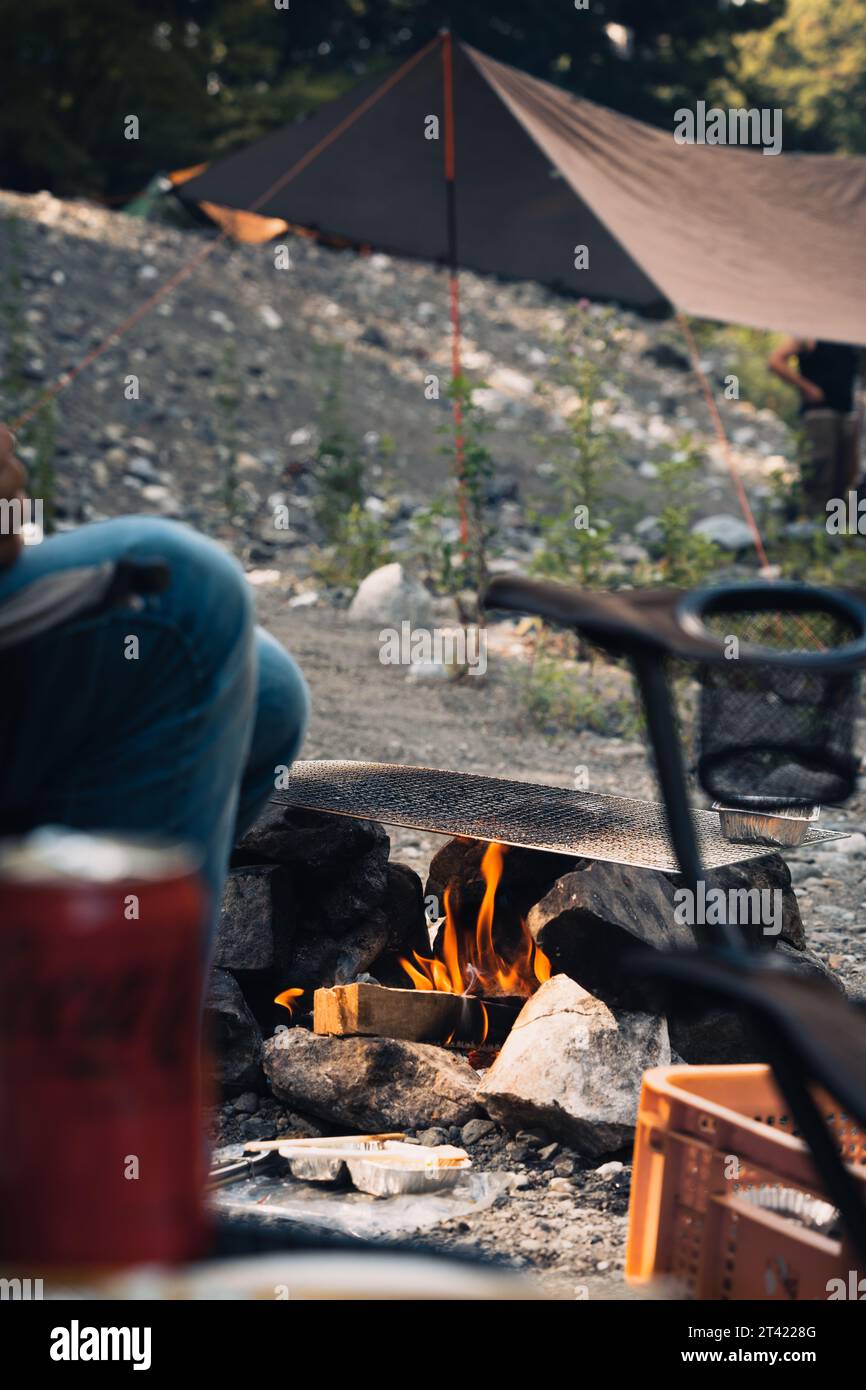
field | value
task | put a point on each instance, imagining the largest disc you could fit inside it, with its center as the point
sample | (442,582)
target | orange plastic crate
(705,1136)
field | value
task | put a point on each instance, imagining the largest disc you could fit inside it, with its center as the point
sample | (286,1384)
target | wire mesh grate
(584,824)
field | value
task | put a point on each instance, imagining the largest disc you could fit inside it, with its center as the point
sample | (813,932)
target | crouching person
(136,694)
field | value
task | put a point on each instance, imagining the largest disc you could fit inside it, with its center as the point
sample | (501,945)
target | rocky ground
(228,372)
(237,321)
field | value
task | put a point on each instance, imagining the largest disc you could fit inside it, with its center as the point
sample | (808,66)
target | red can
(101,1143)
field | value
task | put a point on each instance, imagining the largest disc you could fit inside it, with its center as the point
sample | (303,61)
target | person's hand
(12,480)
(814,395)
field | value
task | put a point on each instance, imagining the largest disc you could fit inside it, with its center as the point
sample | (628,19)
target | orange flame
(287,998)
(472,965)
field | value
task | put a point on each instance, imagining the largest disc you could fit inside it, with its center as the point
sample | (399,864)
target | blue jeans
(183,741)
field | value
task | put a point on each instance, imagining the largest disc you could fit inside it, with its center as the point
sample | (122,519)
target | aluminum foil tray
(587,825)
(382,1169)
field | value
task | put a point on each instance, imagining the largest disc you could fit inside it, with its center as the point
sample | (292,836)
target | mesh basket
(776,719)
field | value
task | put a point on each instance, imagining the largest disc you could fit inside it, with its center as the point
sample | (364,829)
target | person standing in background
(826,376)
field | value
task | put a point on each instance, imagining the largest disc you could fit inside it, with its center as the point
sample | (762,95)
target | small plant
(561,694)
(476,469)
(359,544)
(431,544)
(686,559)
(40,437)
(575,538)
(228,401)
(355,539)
(339,461)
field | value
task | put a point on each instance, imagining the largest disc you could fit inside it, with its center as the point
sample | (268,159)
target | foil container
(815,1213)
(763,827)
(380,1167)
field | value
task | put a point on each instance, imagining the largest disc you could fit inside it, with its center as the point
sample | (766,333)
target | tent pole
(454,282)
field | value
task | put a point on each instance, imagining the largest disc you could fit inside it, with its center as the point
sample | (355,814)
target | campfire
(486,982)
(471,963)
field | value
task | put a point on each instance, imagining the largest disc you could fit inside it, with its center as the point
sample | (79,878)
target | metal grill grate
(589,826)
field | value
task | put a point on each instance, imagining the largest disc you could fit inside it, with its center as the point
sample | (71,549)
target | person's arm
(12,480)
(779,362)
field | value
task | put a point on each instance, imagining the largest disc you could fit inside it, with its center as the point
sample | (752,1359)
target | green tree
(811,62)
(207,75)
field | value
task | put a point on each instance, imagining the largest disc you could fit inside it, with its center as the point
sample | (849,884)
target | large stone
(573,1067)
(321,959)
(371,1084)
(312,841)
(232,1032)
(595,916)
(716,1036)
(256,914)
(344,905)
(390,596)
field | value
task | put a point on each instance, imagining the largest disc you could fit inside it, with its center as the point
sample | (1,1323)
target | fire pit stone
(233,1031)
(256,917)
(371,1084)
(573,1067)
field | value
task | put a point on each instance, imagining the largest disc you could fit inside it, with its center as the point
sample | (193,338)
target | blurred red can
(101,1142)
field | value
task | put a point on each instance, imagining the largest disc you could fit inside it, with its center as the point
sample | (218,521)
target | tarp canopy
(771,241)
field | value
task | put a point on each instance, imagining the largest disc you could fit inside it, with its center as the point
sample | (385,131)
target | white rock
(426,670)
(727,531)
(390,596)
(269,317)
(574,1067)
(142,469)
(509,381)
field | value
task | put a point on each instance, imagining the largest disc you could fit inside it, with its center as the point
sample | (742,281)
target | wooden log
(415,1015)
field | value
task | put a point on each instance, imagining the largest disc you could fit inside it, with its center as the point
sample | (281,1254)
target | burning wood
(414,1015)
(472,993)
(471,964)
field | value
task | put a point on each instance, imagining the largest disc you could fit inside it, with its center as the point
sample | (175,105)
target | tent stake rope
(722,436)
(728,453)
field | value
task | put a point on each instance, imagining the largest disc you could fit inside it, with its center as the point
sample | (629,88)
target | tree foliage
(204,76)
(811,62)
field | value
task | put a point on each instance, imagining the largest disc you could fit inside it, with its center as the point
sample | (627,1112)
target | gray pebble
(475,1130)
(432,1137)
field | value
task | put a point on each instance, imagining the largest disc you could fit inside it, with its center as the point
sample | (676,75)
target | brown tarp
(773,241)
